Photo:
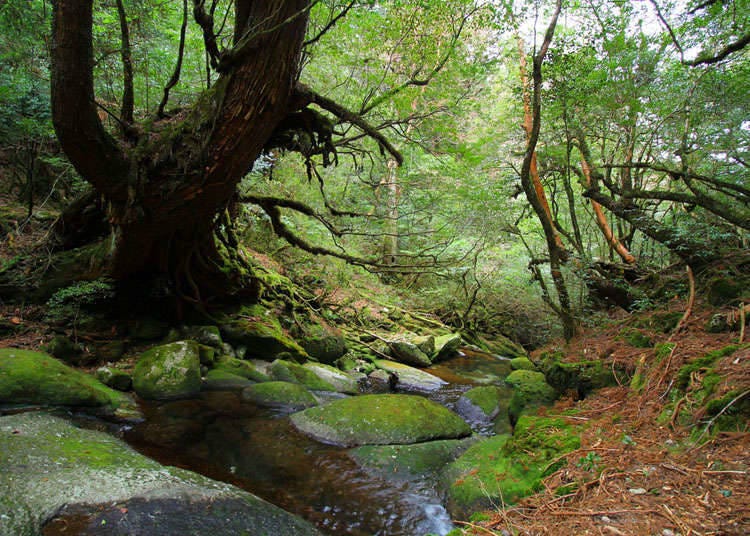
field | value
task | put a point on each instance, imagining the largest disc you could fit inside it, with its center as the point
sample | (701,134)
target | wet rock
(239,367)
(287,371)
(446,346)
(168,371)
(409,354)
(292,396)
(53,475)
(324,344)
(482,404)
(222,380)
(404,462)
(28,377)
(114,378)
(425,343)
(259,330)
(341,382)
(380,420)
(410,378)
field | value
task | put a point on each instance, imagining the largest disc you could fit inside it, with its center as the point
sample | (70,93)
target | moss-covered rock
(65,350)
(168,371)
(446,346)
(323,343)
(239,367)
(403,462)
(208,335)
(52,473)
(258,329)
(532,385)
(115,378)
(409,354)
(342,382)
(482,404)
(380,420)
(502,346)
(222,380)
(287,371)
(410,378)
(28,377)
(278,394)
(580,376)
(522,363)
(530,390)
(502,469)
(426,343)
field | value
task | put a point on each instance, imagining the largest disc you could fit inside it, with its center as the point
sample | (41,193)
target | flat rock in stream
(55,475)
(411,378)
(380,420)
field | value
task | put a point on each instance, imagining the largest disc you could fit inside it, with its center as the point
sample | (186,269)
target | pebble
(667,532)
(605,519)
(637,491)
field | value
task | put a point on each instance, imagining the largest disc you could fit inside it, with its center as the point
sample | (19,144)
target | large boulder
(28,377)
(530,390)
(259,330)
(53,474)
(168,371)
(410,378)
(323,343)
(380,420)
(239,367)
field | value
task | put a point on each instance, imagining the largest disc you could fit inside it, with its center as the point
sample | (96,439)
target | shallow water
(257,449)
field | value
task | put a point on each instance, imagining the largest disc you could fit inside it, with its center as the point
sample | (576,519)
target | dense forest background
(511,167)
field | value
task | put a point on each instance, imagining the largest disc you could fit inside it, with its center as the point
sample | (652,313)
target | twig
(742,322)
(474,526)
(713,419)
(690,303)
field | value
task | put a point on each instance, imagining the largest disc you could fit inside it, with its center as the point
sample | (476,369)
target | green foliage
(69,300)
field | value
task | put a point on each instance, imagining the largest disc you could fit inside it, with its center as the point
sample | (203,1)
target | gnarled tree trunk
(163,187)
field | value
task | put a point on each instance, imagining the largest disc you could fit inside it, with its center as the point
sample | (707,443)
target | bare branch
(178,67)
(344,114)
(128,99)
(331,23)
(708,59)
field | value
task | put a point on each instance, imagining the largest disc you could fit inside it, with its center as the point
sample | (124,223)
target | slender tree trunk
(390,239)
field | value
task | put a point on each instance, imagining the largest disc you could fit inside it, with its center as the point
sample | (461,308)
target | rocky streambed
(380,447)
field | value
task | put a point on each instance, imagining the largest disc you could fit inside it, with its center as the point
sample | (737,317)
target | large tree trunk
(163,190)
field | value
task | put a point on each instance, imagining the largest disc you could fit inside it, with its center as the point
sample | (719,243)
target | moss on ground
(502,469)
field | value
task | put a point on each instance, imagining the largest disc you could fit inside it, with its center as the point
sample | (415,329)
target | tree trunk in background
(390,238)
(601,219)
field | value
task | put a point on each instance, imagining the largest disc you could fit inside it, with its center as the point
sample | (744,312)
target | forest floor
(639,470)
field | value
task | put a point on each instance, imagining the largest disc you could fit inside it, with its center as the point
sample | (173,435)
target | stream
(258,449)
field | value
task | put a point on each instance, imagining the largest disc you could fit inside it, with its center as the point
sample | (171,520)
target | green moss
(292,372)
(380,420)
(324,344)
(531,385)
(502,469)
(725,290)
(28,377)
(579,376)
(241,368)
(276,394)
(259,329)
(522,363)
(168,371)
(705,362)
(636,338)
(726,417)
(487,398)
